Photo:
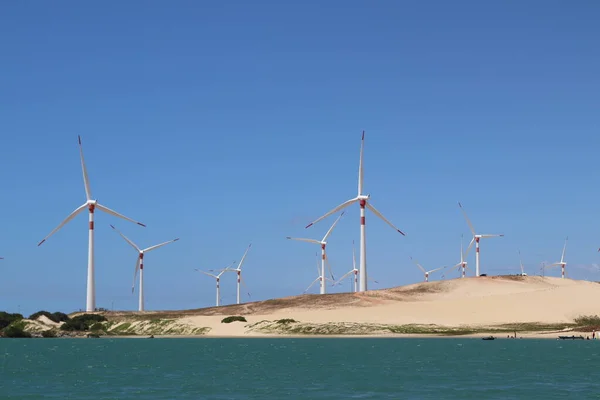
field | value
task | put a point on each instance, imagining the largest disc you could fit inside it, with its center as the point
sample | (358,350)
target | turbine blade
(70,217)
(86,180)
(244,257)
(116,214)
(304,240)
(455,267)
(135,272)
(347,274)
(332,226)
(206,273)
(361,166)
(491,236)
(126,239)
(245,286)
(461,248)
(318,266)
(311,285)
(160,245)
(562,258)
(469,247)
(418,265)
(329,268)
(354,257)
(437,269)
(370,207)
(467,218)
(338,208)
(521,263)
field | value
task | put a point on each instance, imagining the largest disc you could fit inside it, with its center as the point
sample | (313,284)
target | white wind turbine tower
(238,270)
(476,238)
(364,202)
(424,271)
(139,264)
(91,206)
(562,261)
(323,244)
(218,280)
(352,271)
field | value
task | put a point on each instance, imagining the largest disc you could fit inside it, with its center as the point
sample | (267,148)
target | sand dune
(483,301)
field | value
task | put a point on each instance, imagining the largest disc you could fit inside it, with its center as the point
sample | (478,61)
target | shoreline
(525,335)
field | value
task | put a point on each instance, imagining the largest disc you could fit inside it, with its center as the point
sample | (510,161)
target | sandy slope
(483,301)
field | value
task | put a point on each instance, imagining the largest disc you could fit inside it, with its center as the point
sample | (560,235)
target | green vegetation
(16,330)
(50,333)
(6,319)
(293,327)
(233,318)
(82,322)
(55,317)
(588,323)
(286,321)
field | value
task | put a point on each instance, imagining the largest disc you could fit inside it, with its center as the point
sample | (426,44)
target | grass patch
(286,321)
(233,318)
(587,323)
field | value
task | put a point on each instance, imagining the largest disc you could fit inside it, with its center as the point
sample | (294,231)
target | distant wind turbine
(320,278)
(562,261)
(238,271)
(139,264)
(364,202)
(352,271)
(323,244)
(217,279)
(463,263)
(476,238)
(424,271)
(521,264)
(91,206)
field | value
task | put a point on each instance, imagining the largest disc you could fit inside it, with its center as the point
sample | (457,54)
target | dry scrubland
(532,306)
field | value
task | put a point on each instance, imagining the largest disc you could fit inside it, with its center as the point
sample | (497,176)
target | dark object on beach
(572,337)
(151,337)
(93,335)
(482,274)
(488,338)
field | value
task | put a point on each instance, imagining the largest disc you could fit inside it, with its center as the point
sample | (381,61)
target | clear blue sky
(225,123)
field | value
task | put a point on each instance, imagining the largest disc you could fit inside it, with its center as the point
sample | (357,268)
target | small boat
(572,337)
(488,338)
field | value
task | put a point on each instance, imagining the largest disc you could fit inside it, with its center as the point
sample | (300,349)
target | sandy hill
(483,301)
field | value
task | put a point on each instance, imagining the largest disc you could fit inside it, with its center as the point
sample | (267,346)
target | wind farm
(344,306)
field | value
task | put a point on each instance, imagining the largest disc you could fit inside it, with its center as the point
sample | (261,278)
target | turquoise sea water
(311,368)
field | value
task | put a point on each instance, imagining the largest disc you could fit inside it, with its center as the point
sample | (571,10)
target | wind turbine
(476,238)
(521,263)
(139,264)
(217,279)
(238,270)
(562,261)
(463,262)
(423,269)
(323,244)
(352,271)
(91,206)
(321,278)
(364,201)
